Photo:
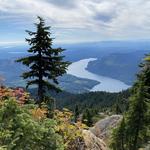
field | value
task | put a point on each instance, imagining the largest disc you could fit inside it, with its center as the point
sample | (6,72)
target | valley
(79,69)
(113,69)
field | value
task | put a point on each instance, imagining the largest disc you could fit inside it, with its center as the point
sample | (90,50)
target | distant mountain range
(75,52)
(116,59)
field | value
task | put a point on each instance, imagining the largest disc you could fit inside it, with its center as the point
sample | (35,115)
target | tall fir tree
(119,137)
(76,113)
(87,117)
(137,122)
(45,63)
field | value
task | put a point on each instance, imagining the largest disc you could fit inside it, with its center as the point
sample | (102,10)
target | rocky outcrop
(103,128)
(96,137)
(92,142)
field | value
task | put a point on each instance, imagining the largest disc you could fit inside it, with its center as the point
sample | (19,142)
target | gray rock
(103,128)
(92,142)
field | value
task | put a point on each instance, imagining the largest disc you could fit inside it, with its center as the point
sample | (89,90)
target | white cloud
(109,19)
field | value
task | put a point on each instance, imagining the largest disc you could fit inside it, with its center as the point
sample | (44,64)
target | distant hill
(75,52)
(121,66)
(96,100)
(114,51)
(11,72)
(78,51)
(76,85)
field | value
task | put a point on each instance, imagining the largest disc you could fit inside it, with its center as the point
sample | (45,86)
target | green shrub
(19,130)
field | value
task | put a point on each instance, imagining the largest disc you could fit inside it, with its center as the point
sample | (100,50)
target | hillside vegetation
(121,66)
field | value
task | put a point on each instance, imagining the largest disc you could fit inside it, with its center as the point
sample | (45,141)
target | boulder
(97,137)
(92,142)
(103,128)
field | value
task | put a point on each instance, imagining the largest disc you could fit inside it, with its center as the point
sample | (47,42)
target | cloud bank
(78,20)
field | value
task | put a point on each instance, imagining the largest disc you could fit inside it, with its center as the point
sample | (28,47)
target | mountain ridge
(120,66)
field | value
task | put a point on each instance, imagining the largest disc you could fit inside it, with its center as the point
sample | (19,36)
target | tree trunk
(135,139)
(122,143)
(40,84)
(40,92)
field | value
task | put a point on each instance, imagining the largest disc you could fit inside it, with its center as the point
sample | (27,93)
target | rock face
(103,128)
(92,142)
(96,137)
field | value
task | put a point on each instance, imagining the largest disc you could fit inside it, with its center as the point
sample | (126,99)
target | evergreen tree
(119,137)
(137,118)
(138,115)
(76,113)
(87,117)
(117,108)
(45,63)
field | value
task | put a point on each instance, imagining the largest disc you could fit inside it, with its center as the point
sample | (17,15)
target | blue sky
(76,20)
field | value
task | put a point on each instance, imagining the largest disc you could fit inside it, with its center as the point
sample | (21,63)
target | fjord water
(78,69)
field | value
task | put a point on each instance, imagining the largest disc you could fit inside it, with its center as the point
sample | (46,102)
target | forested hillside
(121,66)
(93,100)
